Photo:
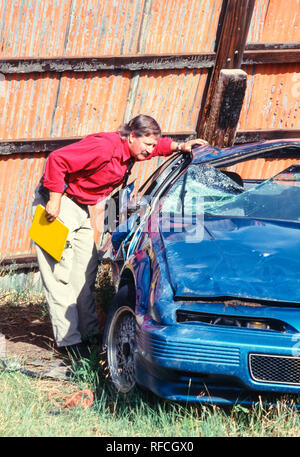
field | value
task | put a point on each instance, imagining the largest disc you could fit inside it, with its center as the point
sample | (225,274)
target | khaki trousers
(69,284)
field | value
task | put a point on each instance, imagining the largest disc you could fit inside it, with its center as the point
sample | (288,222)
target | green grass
(27,411)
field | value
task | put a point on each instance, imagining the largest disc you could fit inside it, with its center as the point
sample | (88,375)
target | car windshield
(203,189)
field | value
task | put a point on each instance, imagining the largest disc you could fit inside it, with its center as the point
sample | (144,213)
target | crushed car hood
(236,257)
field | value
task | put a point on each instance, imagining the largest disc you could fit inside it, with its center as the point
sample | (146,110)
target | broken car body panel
(254,259)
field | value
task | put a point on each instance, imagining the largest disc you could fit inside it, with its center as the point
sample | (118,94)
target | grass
(26,410)
(30,407)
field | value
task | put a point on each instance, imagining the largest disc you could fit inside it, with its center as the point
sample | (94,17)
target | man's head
(142,134)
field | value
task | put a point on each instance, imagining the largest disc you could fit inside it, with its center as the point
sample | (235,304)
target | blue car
(207,274)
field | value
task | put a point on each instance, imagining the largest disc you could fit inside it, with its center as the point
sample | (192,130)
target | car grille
(190,351)
(275,369)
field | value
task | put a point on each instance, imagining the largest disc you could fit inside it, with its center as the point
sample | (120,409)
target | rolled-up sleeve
(163,147)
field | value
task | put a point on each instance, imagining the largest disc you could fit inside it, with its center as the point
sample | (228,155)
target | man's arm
(166,146)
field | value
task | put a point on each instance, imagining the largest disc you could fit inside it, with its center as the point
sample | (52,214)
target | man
(76,176)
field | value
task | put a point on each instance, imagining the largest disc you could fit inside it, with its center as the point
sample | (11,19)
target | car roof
(212,154)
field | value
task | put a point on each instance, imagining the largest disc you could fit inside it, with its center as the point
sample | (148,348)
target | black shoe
(93,340)
(75,351)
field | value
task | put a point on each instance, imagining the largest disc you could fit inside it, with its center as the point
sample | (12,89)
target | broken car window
(199,186)
(202,189)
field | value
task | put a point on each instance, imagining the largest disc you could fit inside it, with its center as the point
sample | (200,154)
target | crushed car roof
(212,154)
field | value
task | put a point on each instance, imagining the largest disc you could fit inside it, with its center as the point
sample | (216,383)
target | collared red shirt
(93,166)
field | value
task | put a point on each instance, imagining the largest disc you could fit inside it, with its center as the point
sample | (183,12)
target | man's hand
(53,206)
(187,145)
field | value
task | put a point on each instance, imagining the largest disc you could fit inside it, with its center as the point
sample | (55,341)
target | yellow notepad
(51,236)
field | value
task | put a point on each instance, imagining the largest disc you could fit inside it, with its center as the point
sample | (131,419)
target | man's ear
(131,137)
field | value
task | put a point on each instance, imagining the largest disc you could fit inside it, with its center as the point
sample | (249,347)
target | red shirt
(93,166)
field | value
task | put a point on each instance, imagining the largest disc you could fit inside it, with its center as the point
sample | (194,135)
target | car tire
(119,342)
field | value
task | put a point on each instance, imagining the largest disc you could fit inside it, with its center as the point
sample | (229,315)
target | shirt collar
(126,156)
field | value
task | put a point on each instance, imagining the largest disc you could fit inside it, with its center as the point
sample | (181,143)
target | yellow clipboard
(50,236)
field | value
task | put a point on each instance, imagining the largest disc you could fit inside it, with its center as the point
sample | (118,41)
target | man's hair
(140,125)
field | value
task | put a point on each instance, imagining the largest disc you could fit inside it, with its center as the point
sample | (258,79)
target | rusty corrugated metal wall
(272,99)
(78,100)
(273,90)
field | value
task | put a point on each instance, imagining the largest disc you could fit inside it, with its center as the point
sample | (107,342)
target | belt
(71,197)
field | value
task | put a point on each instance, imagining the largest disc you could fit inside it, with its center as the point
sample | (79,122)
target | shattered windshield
(203,189)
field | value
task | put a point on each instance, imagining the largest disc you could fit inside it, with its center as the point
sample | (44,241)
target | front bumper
(205,363)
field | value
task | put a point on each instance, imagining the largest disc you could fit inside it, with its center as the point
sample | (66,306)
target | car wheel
(119,343)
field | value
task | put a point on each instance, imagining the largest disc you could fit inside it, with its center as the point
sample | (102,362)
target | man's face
(141,147)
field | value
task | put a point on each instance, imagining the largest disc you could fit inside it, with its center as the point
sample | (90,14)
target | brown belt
(71,197)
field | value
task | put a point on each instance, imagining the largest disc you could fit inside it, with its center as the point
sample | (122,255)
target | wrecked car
(207,268)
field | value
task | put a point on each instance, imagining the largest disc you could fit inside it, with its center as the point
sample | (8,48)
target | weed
(104,288)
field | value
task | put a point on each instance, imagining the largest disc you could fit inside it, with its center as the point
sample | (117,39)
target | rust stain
(272,97)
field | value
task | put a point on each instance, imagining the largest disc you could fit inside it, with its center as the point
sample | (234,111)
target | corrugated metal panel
(90,102)
(33,27)
(172,97)
(272,97)
(28,104)
(275,21)
(104,27)
(262,168)
(271,101)
(181,26)
(19,175)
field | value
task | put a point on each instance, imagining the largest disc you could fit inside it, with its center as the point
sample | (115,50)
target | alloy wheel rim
(121,349)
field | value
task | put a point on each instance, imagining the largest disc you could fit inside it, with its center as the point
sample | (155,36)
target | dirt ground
(26,326)
(27,330)
(28,335)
